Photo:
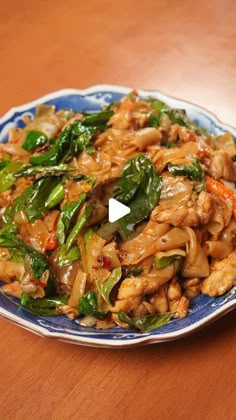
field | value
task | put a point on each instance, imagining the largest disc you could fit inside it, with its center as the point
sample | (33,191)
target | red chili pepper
(52,242)
(39,283)
(200,154)
(105,262)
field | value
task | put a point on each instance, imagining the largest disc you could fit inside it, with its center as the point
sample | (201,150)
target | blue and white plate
(204,309)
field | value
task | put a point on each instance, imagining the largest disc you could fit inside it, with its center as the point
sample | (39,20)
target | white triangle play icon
(116,210)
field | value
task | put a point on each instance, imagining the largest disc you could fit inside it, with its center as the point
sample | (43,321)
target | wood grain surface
(186,49)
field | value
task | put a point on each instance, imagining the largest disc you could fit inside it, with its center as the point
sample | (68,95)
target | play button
(116,210)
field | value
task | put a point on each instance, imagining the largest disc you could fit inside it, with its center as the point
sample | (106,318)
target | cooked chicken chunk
(204,207)
(177,303)
(222,277)
(194,213)
(222,166)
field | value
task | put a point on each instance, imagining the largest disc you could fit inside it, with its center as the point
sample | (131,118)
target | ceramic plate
(203,310)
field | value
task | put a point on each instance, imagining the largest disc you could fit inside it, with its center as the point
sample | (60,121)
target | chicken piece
(222,166)
(121,120)
(204,207)
(160,301)
(182,133)
(69,311)
(222,277)
(175,190)
(11,269)
(194,213)
(133,287)
(177,303)
(176,216)
(12,289)
(126,305)
(147,284)
(192,287)
(227,143)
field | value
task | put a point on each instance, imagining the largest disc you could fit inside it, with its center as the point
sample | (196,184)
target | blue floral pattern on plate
(203,309)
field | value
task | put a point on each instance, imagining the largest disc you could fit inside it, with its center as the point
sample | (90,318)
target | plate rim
(98,88)
(147,338)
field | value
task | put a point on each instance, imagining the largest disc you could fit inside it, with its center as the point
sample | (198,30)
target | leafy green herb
(140,188)
(88,305)
(16,255)
(67,214)
(57,152)
(193,172)
(132,272)
(55,197)
(164,262)
(234,158)
(43,306)
(146,323)
(81,139)
(79,225)
(18,204)
(44,170)
(4,162)
(169,144)
(87,236)
(34,139)
(67,252)
(7,175)
(176,116)
(106,287)
(66,257)
(37,261)
(36,203)
(98,120)
(75,138)
(33,201)
(157,104)
(179,116)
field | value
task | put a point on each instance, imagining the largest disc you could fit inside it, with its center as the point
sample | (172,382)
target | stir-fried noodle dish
(60,255)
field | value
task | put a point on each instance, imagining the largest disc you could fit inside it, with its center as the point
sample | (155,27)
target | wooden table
(186,49)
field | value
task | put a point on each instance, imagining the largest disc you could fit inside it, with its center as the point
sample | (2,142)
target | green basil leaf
(43,306)
(78,226)
(7,175)
(37,261)
(176,116)
(140,187)
(44,170)
(106,287)
(34,139)
(193,172)
(98,119)
(164,262)
(4,162)
(157,104)
(87,236)
(66,257)
(132,272)
(88,305)
(67,214)
(36,203)
(55,196)
(146,323)
(75,138)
